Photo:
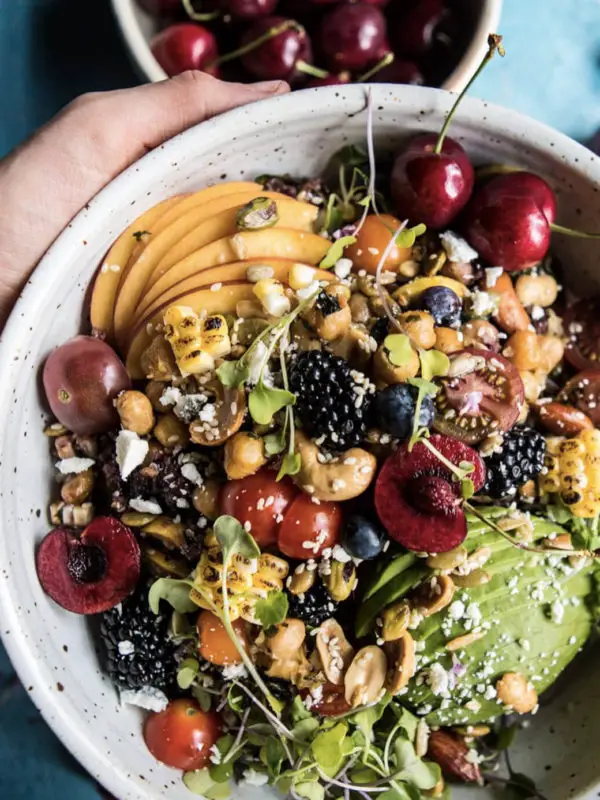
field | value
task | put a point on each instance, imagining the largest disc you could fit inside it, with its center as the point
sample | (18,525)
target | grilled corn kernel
(273,566)
(272,296)
(572,469)
(184,332)
(215,336)
(301,276)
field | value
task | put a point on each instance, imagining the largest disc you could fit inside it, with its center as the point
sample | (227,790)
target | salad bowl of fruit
(308,502)
(310,43)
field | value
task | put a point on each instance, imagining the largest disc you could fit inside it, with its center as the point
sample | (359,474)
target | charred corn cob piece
(572,471)
(215,336)
(183,331)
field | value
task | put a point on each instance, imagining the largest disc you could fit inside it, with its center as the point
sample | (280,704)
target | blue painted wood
(52,50)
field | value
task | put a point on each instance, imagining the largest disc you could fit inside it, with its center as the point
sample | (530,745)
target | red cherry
(400,71)
(415,31)
(250,9)
(506,224)
(527,184)
(279,57)
(431,187)
(185,46)
(354,36)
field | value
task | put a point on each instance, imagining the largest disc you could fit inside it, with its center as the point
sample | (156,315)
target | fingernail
(270,87)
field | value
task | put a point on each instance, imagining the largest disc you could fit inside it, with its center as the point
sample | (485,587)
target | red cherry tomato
(333,702)
(181,736)
(260,501)
(307,522)
(82,377)
(215,644)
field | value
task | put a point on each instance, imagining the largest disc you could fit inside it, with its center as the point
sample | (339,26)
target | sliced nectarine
(236,271)
(111,273)
(221,301)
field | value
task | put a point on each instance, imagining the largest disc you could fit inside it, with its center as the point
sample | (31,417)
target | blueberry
(395,407)
(362,538)
(443,304)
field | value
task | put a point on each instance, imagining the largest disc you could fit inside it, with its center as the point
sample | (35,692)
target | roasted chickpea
(529,351)
(135,411)
(419,327)
(372,240)
(447,340)
(170,431)
(536,290)
(480,333)
(244,455)
(386,372)
(330,316)
(514,691)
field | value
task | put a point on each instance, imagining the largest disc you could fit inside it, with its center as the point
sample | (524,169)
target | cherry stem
(310,69)
(492,170)
(385,62)
(266,36)
(494,43)
(198,16)
(570,232)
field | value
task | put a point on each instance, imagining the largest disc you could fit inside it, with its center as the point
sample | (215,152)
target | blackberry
(313,607)
(520,460)
(138,651)
(332,400)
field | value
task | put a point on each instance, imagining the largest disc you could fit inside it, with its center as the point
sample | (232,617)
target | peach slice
(112,270)
(292,214)
(218,301)
(236,271)
(207,222)
(270,243)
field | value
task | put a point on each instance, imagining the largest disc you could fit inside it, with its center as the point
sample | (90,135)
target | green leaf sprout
(336,251)
(272,610)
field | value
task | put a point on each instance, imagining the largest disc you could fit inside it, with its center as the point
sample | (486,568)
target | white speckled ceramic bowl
(138,27)
(53,651)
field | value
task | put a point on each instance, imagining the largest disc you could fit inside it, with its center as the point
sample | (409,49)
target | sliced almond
(464,641)
(365,676)
(335,651)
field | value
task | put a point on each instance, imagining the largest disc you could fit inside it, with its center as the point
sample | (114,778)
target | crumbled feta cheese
(259,272)
(234,672)
(255,362)
(188,407)
(126,648)
(190,472)
(342,268)
(491,276)
(537,313)
(456,609)
(131,452)
(73,466)
(437,680)
(307,291)
(473,613)
(253,778)
(339,554)
(145,506)
(482,304)
(148,698)
(171,396)
(457,249)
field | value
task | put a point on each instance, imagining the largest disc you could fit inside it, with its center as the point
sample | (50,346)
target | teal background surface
(53,50)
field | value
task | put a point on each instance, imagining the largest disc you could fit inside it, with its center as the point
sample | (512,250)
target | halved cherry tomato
(309,528)
(181,736)
(486,395)
(583,392)
(333,702)
(582,326)
(215,644)
(371,241)
(260,501)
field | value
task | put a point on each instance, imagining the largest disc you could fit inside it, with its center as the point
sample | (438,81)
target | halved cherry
(418,499)
(582,326)
(483,392)
(583,392)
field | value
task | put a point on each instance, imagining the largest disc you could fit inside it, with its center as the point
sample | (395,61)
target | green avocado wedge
(533,617)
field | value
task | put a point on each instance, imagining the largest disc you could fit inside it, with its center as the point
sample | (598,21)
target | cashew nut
(335,651)
(401,663)
(343,478)
(365,676)
(387,372)
(285,651)
(514,691)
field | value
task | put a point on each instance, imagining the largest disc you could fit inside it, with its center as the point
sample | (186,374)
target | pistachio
(54,430)
(135,411)
(158,362)
(433,595)
(206,499)
(259,213)
(395,621)
(245,331)
(449,560)
(341,581)
(170,431)
(401,663)
(460,642)
(136,519)
(335,651)
(478,577)
(365,677)
(166,531)
(514,691)
(154,391)
(164,564)
(77,489)
(244,455)
(302,580)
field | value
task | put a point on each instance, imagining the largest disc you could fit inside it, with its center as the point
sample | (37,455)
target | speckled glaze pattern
(138,28)
(53,651)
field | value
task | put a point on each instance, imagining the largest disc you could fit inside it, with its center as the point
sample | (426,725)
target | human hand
(49,178)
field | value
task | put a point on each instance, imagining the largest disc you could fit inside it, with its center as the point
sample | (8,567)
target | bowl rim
(31,671)
(148,66)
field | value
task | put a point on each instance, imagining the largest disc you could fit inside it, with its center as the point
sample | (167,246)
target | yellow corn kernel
(266,584)
(199,599)
(573,472)
(553,444)
(272,566)
(183,331)
(248,611)
(211,541)
(215,336)
(272,296)
(301,276)
(247,566)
